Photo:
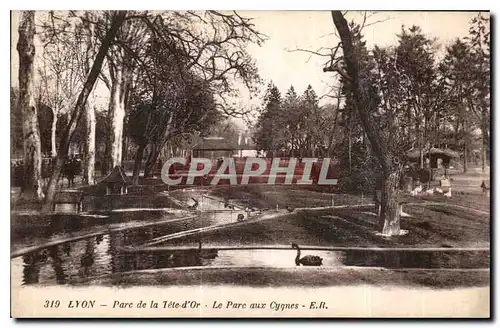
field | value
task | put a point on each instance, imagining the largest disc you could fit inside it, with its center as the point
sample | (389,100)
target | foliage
(294,125)
(180,109)
(268,136)
(363,173)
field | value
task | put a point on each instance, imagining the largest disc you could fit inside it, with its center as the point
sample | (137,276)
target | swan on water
(308,260)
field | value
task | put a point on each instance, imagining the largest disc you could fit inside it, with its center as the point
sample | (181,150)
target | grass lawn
(267,196)
(474,201)
(429,226)
(460,221)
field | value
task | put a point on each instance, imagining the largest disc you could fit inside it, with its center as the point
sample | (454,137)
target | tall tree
(268,136)
(157,102)
(187,108)
(479,38)
(312,118)
(60,76)
(86,31)
(70,45)
(79,109)
(366,104)
(292,125)
(349,113)
(210,44)
(121,68)
(32,186)
(290,121)
(213,46)
(455,69)
(416,73)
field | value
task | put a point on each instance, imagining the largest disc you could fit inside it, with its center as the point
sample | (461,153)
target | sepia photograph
(260,164)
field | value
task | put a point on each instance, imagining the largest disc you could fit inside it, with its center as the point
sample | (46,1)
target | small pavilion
(435,156)
(115,182)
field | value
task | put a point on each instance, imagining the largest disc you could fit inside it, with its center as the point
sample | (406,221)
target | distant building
(213,148)
(246,147)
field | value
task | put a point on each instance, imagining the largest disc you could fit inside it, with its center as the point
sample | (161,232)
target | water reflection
(85,259)
(53,227)
(100,255)
(66,248)
(57,264)
(31,266)
(418,259)
(211,209)
(272,258)
(96,256)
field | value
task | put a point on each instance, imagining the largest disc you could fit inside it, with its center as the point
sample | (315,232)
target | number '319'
(51,304)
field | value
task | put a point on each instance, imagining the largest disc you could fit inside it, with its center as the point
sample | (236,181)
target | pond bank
(299,277)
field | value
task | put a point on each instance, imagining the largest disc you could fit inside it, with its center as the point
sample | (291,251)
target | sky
(307,29)
(287,31)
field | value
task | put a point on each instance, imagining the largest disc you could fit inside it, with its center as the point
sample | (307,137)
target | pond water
(90,258)
(214,209)
(101,255)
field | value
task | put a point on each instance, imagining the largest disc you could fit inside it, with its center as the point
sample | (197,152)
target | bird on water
(308,260)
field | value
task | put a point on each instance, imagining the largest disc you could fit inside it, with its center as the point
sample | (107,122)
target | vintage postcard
(277,164)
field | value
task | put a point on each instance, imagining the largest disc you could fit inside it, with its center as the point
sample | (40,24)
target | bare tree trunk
(438,132)
(465,144)
(124,145)
(151,161)
(53,130)
(116,115)
(350,150)
(485,138)
(137,164)
(457,133)
(465,157)
(32,186)
(390,212)
(77,113)
(420,143)
(89,167)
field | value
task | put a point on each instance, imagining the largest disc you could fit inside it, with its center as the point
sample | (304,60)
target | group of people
(72,168)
